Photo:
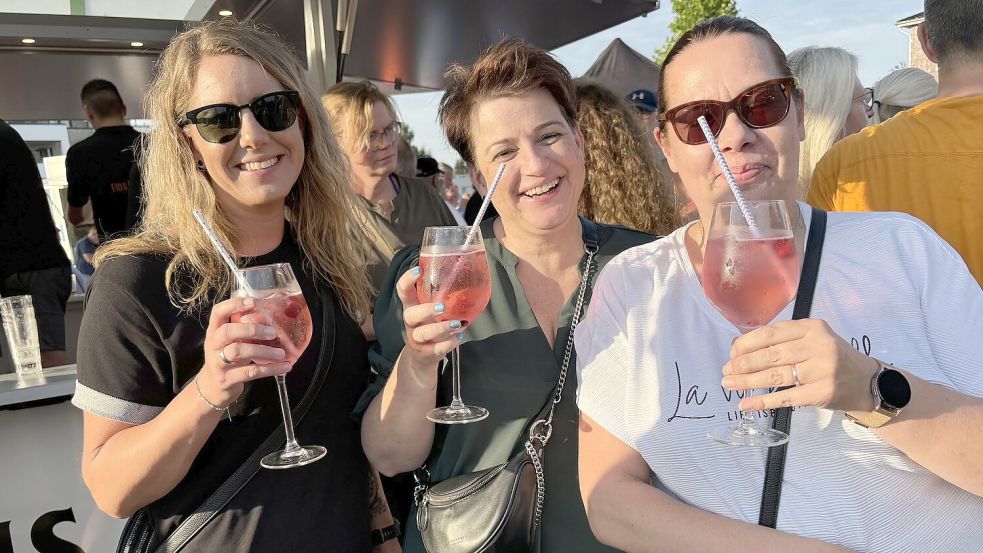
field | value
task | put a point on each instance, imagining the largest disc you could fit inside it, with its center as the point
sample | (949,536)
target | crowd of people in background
(602,213)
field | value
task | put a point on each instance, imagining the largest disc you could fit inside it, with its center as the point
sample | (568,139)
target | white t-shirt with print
(649,359)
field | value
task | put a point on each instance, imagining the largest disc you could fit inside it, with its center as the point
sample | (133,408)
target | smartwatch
(382,535)
(891,393)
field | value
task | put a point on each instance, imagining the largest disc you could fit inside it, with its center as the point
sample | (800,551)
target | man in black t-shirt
(99,166)
(32,261)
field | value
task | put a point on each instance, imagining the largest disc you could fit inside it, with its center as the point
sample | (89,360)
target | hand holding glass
(454,271)
(278,296)
(750,274)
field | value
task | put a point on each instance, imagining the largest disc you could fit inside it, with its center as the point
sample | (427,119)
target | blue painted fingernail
(439,308)
(460,336)
(455,324)
(415,271)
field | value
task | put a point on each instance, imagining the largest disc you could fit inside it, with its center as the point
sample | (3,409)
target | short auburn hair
(509,68)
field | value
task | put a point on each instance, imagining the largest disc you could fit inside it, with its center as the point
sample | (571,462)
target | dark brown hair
(102,99)
(713,28)
(624,185)
(508,68)
(955,29)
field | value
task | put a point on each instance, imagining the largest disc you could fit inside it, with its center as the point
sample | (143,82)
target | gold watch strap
(873,419)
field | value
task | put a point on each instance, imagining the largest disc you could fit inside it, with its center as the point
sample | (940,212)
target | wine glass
(454,271)
(750,273)
(280,302)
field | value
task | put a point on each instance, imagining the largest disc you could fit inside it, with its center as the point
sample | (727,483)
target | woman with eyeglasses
(174,389)
(836,104)
(885,377)
(394,209)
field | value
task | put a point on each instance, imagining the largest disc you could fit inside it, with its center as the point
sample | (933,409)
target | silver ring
(795,376)
(221,355)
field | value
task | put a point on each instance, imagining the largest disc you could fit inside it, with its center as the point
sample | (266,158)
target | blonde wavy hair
(318,207)
(826,76)
(624,185)
(349,106)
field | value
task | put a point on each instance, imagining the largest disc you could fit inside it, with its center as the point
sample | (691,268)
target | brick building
(916,57)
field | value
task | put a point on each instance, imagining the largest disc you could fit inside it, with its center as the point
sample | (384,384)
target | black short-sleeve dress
(137,351)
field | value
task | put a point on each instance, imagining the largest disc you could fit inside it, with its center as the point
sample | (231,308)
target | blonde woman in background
(174,393)
(836,104)
(624,185)
(394,209)
(900,90)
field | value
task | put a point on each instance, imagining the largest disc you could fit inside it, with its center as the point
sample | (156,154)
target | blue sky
(865,28)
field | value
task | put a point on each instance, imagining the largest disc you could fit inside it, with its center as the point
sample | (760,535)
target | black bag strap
(189,528)
(782,417)
(421,475)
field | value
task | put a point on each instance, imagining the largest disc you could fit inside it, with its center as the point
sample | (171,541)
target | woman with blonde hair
(836,104)
(900,90)
(624,185)
(172,384)
(394,208)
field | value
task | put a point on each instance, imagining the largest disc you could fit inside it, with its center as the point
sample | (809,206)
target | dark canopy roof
(624,70)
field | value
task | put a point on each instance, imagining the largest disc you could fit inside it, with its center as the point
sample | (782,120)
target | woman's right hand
(427,339)
(222,383)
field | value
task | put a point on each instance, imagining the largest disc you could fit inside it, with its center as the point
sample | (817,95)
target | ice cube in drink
(457,277)
(750,278)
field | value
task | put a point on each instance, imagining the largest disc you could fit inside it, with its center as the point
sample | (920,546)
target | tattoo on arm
(377,502)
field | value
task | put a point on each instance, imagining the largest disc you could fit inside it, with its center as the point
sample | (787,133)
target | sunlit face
(544,158)
(764,161)
(257,168)
(379,160)
(856,119)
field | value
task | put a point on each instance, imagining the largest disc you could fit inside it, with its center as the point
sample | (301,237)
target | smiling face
(544,157)
(764,161)
(258,168)
(379,160)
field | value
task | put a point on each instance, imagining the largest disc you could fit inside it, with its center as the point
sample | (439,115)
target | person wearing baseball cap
(645,103)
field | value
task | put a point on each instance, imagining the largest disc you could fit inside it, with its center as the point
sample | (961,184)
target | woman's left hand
(831,373)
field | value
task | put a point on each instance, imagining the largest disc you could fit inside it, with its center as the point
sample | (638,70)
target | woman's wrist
(421,376)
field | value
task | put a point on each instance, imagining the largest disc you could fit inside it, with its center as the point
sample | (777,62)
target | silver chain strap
(542,429)
(546,432)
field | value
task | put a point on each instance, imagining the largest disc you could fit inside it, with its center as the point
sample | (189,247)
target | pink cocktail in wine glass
(750,273)
(280,303)
(454,271)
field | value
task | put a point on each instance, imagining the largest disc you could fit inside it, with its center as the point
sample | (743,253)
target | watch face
(893,388)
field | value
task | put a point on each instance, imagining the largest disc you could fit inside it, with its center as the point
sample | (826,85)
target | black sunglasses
(760,106)
(220,123)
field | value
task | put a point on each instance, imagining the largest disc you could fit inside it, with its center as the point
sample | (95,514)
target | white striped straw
(741,202)
(222,251)
(484,204)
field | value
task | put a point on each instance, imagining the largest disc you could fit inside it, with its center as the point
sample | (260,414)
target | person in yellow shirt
(926,161)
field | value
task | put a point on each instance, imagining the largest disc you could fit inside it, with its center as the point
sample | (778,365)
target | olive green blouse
(508,367)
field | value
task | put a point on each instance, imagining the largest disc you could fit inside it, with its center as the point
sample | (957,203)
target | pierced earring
(200,165)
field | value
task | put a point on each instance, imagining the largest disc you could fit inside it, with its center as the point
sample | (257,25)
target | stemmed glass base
(289,458)
(457,414)
(748,434)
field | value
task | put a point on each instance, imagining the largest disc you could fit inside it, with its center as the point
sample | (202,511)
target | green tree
(687,14)
(460,168)
(408,135)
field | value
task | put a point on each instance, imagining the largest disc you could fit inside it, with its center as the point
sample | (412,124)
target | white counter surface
(54,382)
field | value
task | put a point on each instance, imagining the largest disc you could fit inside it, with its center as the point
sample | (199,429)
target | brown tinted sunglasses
(760,106)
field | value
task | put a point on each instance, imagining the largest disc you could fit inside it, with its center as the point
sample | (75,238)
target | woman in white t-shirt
(659,367)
